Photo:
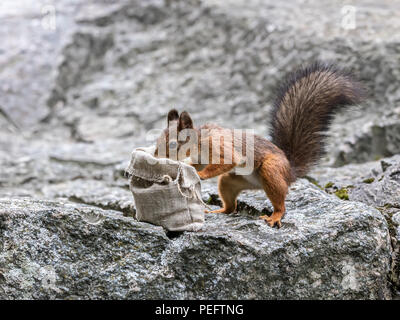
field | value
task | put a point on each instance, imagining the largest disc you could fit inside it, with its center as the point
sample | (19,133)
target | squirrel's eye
(173,145)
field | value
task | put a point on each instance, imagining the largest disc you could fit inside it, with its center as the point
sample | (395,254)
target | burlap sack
(166,192)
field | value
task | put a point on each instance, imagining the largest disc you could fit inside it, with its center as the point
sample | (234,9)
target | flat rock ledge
(326,249)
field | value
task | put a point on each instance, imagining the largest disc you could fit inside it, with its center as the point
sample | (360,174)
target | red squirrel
(304,107)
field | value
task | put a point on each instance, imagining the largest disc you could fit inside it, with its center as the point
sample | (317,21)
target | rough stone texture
(377,138)
(326,249)
(383,191)
(396,219)
(384,194)
(376,184)
(396,251)
(94,192)
(74,102)
(70,251)
(32,51)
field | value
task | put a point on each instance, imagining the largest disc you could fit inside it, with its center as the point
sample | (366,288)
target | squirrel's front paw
(202,175)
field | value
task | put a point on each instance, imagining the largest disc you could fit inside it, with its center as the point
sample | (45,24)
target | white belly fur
(254,179)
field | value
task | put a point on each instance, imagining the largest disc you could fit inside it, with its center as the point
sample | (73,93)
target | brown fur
(304,108)
(302,112)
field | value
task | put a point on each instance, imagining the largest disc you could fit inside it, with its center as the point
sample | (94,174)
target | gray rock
(326,249)
(376,184)
(33,36)
(383,191)
(396,219)
(93,192)
(377,140)
(73,251)
(388,162)
(346,175)
(137,56)
(76,100)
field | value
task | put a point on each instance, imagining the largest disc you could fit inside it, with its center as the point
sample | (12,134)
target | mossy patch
(369,180)
(313,181)
(342,194)
(329,185)
(214,200)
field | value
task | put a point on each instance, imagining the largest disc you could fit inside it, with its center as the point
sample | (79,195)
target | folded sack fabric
(166,192)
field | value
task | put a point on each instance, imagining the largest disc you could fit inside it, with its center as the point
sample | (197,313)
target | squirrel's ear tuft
(185,121)
(173,115)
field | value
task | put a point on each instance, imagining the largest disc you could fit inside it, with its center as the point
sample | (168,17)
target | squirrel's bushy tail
(304,108)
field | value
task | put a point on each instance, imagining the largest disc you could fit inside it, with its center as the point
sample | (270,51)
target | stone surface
(376,184)
(95,193)
(34,33)
(72,251)
(221,64)
(76,99)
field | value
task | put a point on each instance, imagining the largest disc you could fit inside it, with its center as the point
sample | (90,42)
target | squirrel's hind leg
(277,196)
(229,187)
(275,185)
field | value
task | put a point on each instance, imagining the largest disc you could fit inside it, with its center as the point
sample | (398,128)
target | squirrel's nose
(127,174)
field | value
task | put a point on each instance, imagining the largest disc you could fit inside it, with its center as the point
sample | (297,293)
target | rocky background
(83,82)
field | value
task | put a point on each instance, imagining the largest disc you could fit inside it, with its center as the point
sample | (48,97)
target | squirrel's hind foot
(273,220)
